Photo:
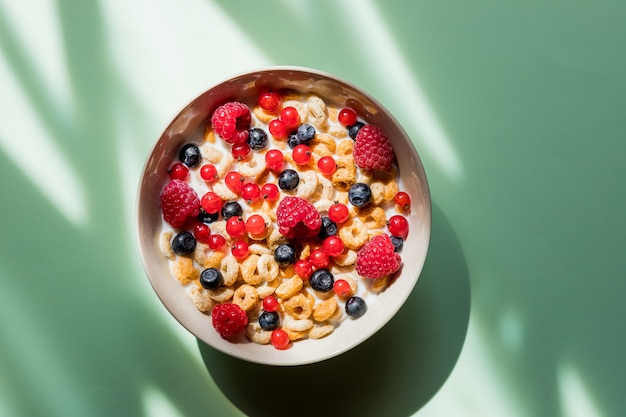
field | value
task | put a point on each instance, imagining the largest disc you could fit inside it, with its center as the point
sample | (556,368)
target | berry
(301,154)
(327,165)
(359,194)
(270,303)
(211,202)
(201,232)
(211,278)
(279,339)
(285,254)
(333,245)
(372,149)
(288,179)
(277,129)
(235,227)
(183,243)
(251,192)
(338,213)
(398,226)
(229,319)
(402,200)
(231,122)
(319,258)
(216,241)
(377,258)
(255,225)
(274,159)
(178,203)
(257,138)
(303,268)
(322,280)
(270,192)
(205,217)
(269,101)
(329,228)
(208,172)
(355,307)
(269,320)
(296,216)
(397,243)
(240,151)
(293,140)
(240,249)
(234,181)
(230,209)
(290,117)
(190,155)
(179,171)
(341,287)
(353,130)
(346,117)
(305,133)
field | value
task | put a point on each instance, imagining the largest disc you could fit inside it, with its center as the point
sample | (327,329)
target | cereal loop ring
(267,289)
(262,115)
(378,192)
(289,287)
(257,335)
(324,189)
(296,325)
(295,335)
(354,234)
(318,331)
(200,297)
(299,306)
(379,285)
(184,271)
(346,259)
(267,267)
(165,246)
(224,192)
(253,167)
(229,267)
(307,185)
(324,309)
(249,270)
(245,296)
(317,112)
(221,294)
(344,147)
(373,217)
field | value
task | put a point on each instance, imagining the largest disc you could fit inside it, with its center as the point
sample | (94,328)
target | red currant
(208,172)
(251,192)
(303,268)
(179,171)
(333,245)
(270,191)
(202,232)
(239,249)
(319,258)
(211,202)
(279,339)
(341,287)
(274,159)
(269,101)
(235,227)
(277,129)
(255,225)
(270,303)
(216,241)
(346,117)
(327,165)
(290,117)
(398,226)
(240,151)
(338,213)
(403,200)
(234,182)
(301,154)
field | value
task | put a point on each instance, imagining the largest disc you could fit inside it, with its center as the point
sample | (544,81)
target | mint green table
(518,110)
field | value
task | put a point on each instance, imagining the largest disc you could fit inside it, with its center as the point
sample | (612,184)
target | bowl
(190,122)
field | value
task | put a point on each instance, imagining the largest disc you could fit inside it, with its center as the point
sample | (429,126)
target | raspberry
(377,258)
(178,203)
(297,217)
(231,122)
(229,319)
(372,149)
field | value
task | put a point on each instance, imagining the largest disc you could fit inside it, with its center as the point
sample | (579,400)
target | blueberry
(211,278)
(305,133)
(293,140)
(257,138)
(183,243)
(359,194)
(269,320)
(322,280)
(354,129)
(190,155)
(288,179)
(231,209)
(329,228)
(397,243)
(285,254)
(355,307)
(205,217)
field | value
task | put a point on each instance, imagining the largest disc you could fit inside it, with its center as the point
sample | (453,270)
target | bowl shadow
(394,373)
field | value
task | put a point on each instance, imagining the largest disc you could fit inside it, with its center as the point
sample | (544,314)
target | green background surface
(517,109)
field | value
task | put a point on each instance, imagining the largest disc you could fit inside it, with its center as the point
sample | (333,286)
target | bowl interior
(193,118)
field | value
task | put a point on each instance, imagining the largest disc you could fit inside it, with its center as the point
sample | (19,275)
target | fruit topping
(231,122)
(211,278)
(285,254)
(183,243)
(372,149)
(297,216)
(288,179)
(355,307)
(257,139)
(229,319)
(190,155)
(269,320)
(322,280)
(377,258)
(359,194)
(179,202)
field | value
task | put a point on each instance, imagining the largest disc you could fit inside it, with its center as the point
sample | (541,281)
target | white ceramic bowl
(193,117)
